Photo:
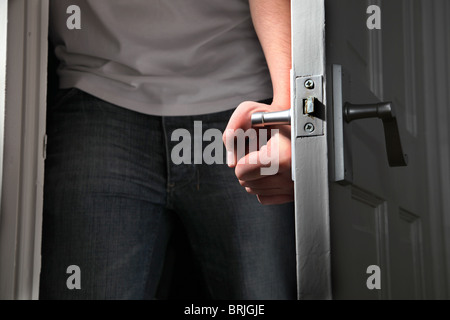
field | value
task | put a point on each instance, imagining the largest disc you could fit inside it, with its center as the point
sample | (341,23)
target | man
(130,76)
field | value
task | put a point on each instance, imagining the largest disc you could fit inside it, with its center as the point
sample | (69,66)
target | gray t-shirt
(161,57)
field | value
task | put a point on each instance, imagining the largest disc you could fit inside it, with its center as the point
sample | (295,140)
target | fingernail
(230,158)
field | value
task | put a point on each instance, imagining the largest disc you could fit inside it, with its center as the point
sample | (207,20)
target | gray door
(358,209)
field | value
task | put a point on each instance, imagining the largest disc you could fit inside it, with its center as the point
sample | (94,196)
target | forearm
(272,22)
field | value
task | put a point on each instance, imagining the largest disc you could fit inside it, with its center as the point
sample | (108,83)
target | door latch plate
(309,110)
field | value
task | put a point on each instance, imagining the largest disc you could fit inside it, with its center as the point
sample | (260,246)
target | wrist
(281,83)
(281,101)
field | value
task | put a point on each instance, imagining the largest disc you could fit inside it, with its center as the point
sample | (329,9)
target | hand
(269,189)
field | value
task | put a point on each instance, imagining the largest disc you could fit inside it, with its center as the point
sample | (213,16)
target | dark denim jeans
(111,192)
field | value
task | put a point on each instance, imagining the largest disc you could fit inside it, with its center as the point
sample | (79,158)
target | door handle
(385,112)
(342,114)
(306,116)
(262,119)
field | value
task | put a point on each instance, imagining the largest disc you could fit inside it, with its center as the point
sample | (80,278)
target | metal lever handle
(385,112)
(262,119)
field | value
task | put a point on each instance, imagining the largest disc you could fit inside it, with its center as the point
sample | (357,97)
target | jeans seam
(166,149)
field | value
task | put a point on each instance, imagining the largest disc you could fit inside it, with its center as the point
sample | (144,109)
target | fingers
(241,120)
(242,116)
(274,189)
(270,160)
(268,192)
(279,181)
(278,199)
(266,172)
(278,185)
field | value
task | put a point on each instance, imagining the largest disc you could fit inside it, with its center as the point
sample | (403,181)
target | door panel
(363,216)
(380,218)
(408,265)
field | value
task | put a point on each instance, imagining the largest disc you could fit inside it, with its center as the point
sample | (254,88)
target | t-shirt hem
(162,110)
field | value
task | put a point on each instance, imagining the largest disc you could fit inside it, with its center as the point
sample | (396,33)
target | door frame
(3,43)
(24,148)
(436,98)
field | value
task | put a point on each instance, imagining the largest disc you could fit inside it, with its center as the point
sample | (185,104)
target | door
(364,226)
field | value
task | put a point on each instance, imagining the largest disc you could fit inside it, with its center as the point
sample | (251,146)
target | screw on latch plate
(309,84)
(309,127)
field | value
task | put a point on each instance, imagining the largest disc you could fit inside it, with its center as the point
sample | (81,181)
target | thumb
(241,119)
